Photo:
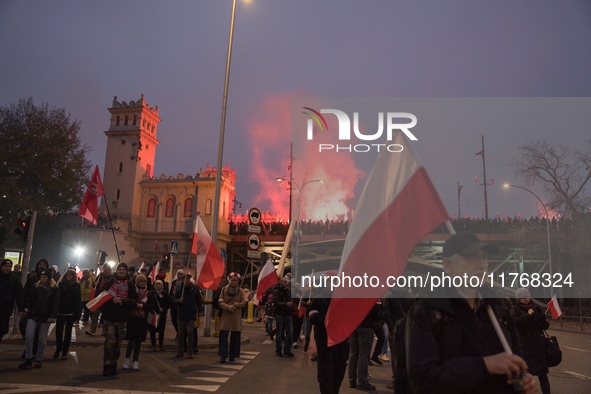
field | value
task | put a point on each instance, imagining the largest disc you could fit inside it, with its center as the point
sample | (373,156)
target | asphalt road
(258,370)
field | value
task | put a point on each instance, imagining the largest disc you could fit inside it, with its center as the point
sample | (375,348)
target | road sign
(254,242)
(254,229)
(254,216)
(253,254)
(174,248)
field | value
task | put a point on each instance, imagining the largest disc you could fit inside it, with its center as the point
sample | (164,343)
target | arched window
(208,207)
(126,118)
(120,167)
(152,208)
(169,208)
(188,208)
(117,124)
(118,193)
(134,119)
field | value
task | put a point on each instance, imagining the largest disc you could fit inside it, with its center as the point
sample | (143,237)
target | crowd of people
(443,342)
(497,224)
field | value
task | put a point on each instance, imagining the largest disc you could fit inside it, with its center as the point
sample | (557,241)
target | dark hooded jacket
(33,277)
(281,296)
(70,299)
(531,337)
(11,290)
(43,302)
(447,340)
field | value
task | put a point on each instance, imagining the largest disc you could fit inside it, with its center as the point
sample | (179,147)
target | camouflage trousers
(114,334)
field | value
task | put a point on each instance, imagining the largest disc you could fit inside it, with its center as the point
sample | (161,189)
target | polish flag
(154,272)
(154,321)
(210,266)
(476,179)
(99,300)
(397,208)
(78,272)
(267,278)
(89,207)
(554,308)
(141,267)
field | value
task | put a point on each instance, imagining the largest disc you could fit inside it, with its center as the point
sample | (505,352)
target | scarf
(526,307)
(142,294)
(231,290)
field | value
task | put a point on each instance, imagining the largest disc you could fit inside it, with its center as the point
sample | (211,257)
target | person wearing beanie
(68,313)
(116,312)
(41,310)
(11,291)
(100,281)
(531,322)
(32,278)
(161,302)
(137,325)
(177,282)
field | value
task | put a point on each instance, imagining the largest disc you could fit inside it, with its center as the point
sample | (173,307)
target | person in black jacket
(137,325)
(11,291)
(283,309)
(187,299)
(40,310)
(116,312)
(32,278)
(531,322)
(332,361)
(174,284)
(99,283)
(451,343)
(161,302)
(68,313)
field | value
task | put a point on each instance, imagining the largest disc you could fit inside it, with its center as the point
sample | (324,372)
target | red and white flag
(210,266)
(154,321)
(89,207)
(267,278)
(99,300)
(155,272)
(397,208)
(141,268)
(554,308)
(78,272)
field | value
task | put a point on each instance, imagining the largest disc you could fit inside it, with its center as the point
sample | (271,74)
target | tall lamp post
(506,186)
(297,258)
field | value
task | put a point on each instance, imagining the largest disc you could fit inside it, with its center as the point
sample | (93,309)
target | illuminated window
(120,167)
(152,208)
(169,208)
(208,207)
(188,207)
(134,119)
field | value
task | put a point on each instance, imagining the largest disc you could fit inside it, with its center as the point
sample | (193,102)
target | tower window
(188,207)
(126,118)
(224,210)
(120,167)
(169,208)
(149,170)
(134,119)
(152,208)
(118,194)
(208,207)
(117,124)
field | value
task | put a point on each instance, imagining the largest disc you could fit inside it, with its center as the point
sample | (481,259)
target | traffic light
(23,227)
(103,258)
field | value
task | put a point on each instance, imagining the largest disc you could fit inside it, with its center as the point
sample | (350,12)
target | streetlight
(297,259)
(506,186)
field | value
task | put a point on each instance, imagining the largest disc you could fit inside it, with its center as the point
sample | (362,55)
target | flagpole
(112,229)
(484,170)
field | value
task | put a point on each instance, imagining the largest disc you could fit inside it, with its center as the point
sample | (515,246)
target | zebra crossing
(212,378)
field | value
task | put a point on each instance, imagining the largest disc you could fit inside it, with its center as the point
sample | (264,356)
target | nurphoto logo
(345,130)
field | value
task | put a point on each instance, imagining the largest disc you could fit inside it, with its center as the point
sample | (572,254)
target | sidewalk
(570,326)
(79,338)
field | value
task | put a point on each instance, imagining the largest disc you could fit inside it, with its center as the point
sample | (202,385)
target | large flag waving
(210,266)
(397,208)
(155,271)
(89,207)
(267,278)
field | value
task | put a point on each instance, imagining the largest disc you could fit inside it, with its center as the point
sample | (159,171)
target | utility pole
(484,170)
(290,171)
(459,210)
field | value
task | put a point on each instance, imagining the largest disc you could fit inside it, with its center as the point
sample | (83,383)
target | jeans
(385,347)
(268,325)
(185,326)
(284,323)
(379,331)
(62,342)
(135,347)
(30,337)
(234,344)
(360,343)
(307,330)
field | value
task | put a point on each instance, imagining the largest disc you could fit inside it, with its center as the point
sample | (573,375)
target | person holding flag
(531,322)
(232,300)
(187,299)
(161,302)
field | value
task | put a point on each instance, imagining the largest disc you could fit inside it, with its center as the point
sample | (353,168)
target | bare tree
(564,173)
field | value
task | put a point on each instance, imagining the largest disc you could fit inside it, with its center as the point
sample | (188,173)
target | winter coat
(137,327)
(396,306)
(530,329)
(192,302)
(317,311)
(119,313)
(86,286)
(231,321)
(281,296)
(447,340)
(32,278)
(11,290)
(43,302)
(164,300)
(69,300)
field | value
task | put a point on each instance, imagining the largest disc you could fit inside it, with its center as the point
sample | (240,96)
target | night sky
(79,55)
